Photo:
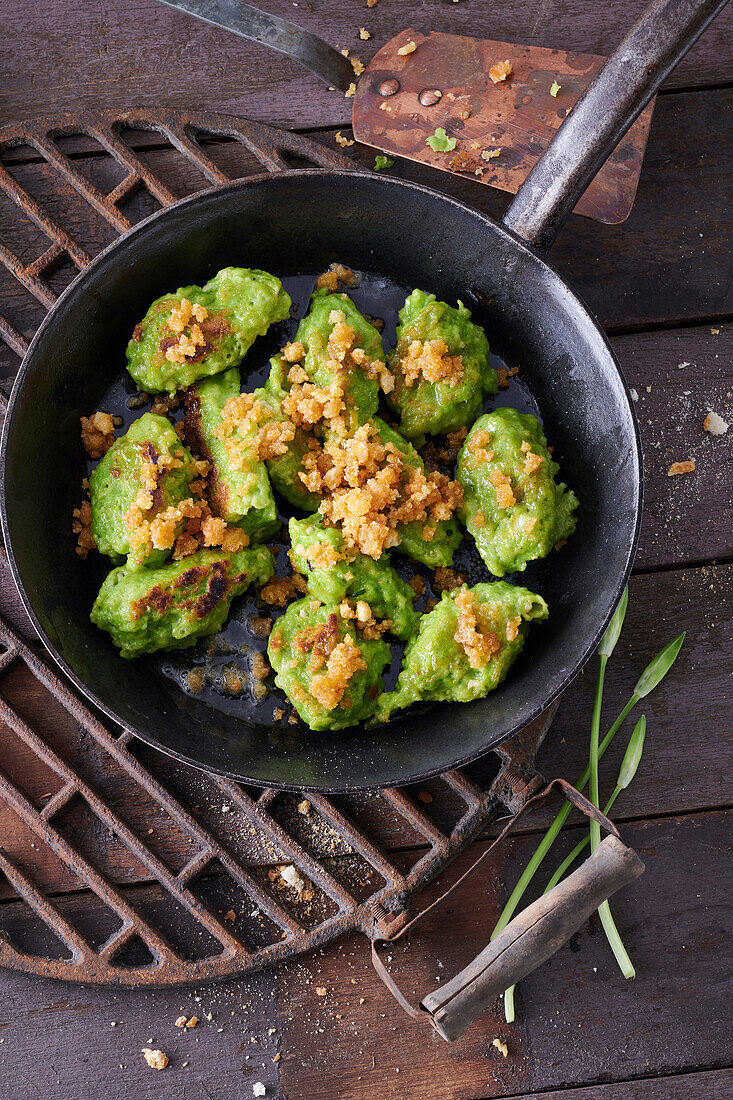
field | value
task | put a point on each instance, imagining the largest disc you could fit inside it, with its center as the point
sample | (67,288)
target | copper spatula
(500,129)
(419,82)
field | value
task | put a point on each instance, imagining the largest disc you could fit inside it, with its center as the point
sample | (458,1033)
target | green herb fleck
(554,89)
(381,162)
(440,142)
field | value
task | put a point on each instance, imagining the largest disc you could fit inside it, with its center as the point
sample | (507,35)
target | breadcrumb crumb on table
(156,1059)
(408,48)
(714,424)
(686,467)
(343,141)
(501,1047)
(364,34)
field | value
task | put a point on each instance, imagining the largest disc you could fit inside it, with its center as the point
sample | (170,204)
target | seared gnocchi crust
(170,607)
(239,488)
(196,332)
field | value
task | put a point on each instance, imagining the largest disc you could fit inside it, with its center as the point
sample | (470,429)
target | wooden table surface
(662,286)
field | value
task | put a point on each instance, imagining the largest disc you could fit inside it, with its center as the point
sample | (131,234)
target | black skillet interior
(295,225)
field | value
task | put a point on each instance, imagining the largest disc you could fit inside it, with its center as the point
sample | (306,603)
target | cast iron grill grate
(135,869)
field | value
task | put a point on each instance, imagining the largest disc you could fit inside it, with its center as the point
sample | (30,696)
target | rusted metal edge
(511,788)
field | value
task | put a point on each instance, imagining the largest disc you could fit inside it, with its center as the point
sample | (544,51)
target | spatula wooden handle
(532,937)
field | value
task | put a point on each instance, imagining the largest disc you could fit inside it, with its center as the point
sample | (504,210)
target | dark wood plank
(578,1022)
(686,764)
(83,53)
(670,263)
(713,1085)
(687,517)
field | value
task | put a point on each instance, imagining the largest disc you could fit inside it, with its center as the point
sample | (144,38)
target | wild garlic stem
(560,818)
(595,828)
(614,939)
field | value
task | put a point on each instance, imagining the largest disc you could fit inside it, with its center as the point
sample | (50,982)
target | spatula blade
(396,109)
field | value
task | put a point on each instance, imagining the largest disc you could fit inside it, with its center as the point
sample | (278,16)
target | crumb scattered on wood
(409,47)
(501,1047)
(364,34)
(686,467)
(343,141)
(156,1059)
(715,424)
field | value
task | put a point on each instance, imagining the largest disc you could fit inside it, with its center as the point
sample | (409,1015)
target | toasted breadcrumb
(280,590)
(463,162)
(408,48)
(370,490)
(512,628)
(81,527)
(479,647)
(97,433)
(344,661)
(249,428)
(336,277)
(715,424)
(350,91)
(361,614)
(501,1047)
(500,71)
(181,1021)
(490,154)
(260,668)
(417,584)
(342,141)
(357,66)
(681,468)
(532,462)
(293,353)
(156,1059)
(432,361)
(448,579)
(260,625)
(503,486)
(364,34)
(504,375)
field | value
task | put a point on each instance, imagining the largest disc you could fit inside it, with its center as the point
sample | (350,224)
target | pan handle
(531,937)
(603,114)
(260,26)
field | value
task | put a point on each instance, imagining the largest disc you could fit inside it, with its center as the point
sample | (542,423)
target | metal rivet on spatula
(429,97)
(389,87)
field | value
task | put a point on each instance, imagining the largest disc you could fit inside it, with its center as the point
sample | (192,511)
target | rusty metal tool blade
(397,107)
